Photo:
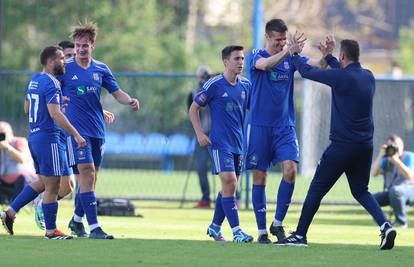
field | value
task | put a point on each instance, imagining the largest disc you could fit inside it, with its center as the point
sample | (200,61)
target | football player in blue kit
(270,134)
(226,95)
(82,83)
(43,105)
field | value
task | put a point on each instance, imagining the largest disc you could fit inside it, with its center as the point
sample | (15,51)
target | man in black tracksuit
(351,136)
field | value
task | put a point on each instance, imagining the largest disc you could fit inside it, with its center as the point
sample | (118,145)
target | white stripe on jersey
(211,81)
(70,60)
(55,81)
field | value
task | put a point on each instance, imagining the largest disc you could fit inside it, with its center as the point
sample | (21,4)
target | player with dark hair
(43,105)
(351,136)
(271,135)
(226,95)
(82,83)
(68,49)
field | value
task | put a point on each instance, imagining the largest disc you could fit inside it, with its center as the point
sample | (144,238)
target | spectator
(201,156)
(397,166)
(16,163)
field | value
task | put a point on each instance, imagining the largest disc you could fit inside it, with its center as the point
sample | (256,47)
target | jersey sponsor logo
(74,77)
(286,65)
(274,76)
(95,76)
(35,130)
(230,107)
(33,85)
(80,90)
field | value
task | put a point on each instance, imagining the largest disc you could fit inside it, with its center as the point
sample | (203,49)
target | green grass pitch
(168,236)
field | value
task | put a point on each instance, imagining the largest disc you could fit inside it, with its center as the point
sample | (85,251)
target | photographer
(200,155)
(397,166)
(16,163)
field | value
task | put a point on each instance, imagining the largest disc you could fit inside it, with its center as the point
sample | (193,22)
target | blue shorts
(223,161)
(270,145)
(91,153)
(49,158)
(68,171)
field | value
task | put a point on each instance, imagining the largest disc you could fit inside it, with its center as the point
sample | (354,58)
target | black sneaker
(98,233)
(264,239)
(278,231)
(7,222)
(77,229)
(388,235)
(293,240)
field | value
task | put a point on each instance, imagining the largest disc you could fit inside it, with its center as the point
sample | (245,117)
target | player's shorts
(223,161)
(91,153)
(49,158)
(270,145)
(68,171)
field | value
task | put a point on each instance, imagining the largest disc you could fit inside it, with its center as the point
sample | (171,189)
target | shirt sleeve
(254,57)
(109,82)
(328,77)
(205,94)
(332,61)
(52,94)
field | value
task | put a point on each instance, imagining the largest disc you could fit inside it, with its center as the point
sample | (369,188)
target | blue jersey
(43,89)
(227,105)
(271,102)
(83,87)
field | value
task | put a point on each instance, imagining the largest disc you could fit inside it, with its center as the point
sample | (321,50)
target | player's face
(276,41)
(235,62)
(69,53)
(84,47)
(59,63)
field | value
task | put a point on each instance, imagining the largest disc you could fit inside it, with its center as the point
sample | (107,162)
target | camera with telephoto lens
(390,150)
(2,136)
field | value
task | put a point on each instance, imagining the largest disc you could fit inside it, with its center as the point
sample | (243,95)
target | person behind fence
(351,136)
(226,95)
(201,157)
(16,163)
(397,166)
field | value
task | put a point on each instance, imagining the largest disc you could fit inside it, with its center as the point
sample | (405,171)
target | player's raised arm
(125,99)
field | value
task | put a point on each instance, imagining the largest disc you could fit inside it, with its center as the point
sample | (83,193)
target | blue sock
(78,204)
(284,197)
(219,215)
(88,201)
(28,194)
(50,213)
(230,209)
(372,206)
(259,205)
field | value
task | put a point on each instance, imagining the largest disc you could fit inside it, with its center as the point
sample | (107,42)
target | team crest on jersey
(95,76)
(243,95)
(80,90)
(286,65)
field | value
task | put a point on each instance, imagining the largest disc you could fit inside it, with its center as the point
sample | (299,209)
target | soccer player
(271,135)
(82,83)
(68,49)
(351,136)
(43,105)
(226,95)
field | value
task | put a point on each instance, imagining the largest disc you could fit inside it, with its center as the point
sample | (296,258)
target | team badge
(228,163)
(96,76)
(286,65)
(243,95)
(81,154)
